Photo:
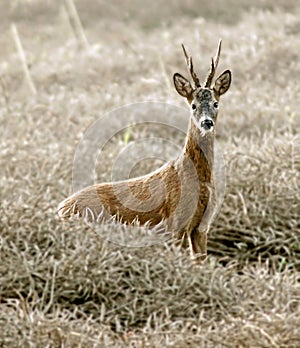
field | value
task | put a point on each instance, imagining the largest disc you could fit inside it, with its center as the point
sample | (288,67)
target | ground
(61,285)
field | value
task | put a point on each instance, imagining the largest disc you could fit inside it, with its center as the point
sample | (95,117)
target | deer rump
(167,195)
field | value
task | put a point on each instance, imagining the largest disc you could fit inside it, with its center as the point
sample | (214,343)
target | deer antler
(214,65)
(189,63)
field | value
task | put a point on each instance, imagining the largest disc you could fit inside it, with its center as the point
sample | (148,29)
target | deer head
(204,101)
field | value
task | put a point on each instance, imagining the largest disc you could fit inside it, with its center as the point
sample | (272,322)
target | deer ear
(182,85)
(222,83)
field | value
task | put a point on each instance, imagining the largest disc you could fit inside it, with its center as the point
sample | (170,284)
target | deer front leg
(198,244)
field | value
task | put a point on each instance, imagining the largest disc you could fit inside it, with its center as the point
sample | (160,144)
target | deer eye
(216,105)
(193,106)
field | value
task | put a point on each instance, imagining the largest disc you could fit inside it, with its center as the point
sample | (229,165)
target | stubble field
(61,285)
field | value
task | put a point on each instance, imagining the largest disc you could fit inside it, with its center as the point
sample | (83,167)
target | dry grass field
(61,285)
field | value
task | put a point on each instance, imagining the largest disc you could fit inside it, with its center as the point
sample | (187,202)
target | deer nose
(207,124)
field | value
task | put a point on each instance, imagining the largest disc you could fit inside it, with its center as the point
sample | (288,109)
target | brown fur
(181,193)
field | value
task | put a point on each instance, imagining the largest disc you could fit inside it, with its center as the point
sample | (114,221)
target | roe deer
(181,194)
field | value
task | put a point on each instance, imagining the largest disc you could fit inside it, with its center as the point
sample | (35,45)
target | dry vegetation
(63,286)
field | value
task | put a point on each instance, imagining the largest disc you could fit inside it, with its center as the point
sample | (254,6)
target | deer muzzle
(207,124)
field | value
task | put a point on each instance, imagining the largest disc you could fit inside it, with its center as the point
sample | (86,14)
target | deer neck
(199,149)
